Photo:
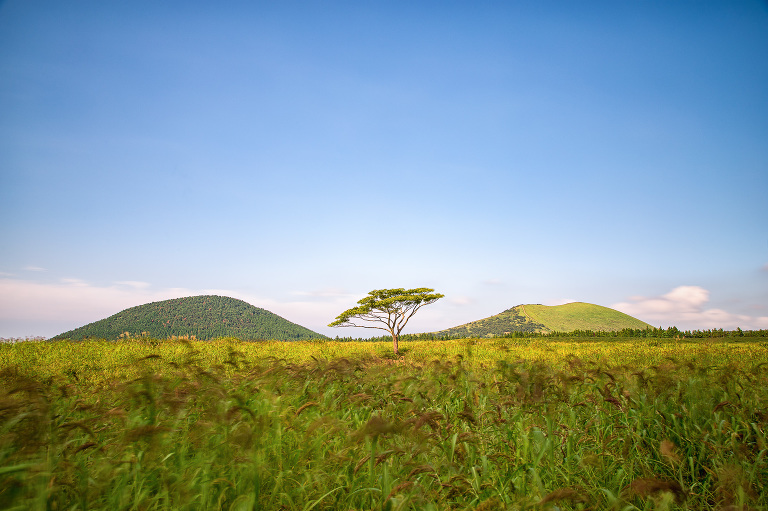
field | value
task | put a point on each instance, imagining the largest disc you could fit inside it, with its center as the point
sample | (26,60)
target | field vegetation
(508,423)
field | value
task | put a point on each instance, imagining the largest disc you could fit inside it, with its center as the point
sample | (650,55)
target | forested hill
(544,319)
(199,317)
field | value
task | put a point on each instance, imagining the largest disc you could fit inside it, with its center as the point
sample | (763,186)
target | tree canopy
(388,310)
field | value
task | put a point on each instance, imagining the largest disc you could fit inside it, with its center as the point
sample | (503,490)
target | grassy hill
(543,318)
(581,316)
(202,317)
(511,320)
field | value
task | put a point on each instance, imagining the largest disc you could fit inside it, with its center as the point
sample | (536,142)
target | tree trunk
(395,339)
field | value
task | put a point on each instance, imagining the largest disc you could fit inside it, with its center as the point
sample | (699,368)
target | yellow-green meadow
(99,360)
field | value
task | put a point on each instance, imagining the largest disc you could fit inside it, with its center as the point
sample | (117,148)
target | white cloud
(328,292)
(460,300)
(34,268)
(70,299)
(684,307)
(32,307)
(688,298)
(133,283)
(75,282)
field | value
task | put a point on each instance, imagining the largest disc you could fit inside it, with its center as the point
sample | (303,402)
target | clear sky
(300,154)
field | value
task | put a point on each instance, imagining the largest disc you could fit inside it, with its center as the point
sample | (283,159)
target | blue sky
(300,154)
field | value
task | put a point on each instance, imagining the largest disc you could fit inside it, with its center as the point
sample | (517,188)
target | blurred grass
(469,424)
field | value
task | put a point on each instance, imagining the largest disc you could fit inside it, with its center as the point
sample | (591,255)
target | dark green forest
(194,317)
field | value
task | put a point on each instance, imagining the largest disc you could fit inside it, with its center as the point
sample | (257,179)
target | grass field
(466,424)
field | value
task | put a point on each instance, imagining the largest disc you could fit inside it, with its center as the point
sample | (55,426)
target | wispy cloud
(135,284)
(460,300)
(34,268)
(76,302)
(329,292)
(685,307)
(70,299)
(74,282)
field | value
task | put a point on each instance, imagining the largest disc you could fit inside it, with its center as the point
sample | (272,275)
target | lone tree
(392,308)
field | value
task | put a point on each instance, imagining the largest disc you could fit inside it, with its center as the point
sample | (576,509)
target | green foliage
(194,317)
(655,427)
(381,304)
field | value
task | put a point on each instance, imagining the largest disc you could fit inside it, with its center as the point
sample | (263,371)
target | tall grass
(454,425)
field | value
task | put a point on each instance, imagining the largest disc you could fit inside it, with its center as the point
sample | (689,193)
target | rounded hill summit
(195,317)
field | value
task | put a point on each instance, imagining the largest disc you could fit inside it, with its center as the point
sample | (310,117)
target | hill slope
(582,316)
(511,320)
(543,318)
(204,317)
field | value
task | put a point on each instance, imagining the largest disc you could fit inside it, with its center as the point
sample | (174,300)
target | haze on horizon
(297,155)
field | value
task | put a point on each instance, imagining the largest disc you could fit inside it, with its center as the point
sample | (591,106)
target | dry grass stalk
(397,489)
(669,451)
(649,486)
(731,482)
(568,494)
(304,407)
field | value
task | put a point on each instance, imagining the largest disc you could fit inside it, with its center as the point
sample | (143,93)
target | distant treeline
(650,333)
(657,333)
